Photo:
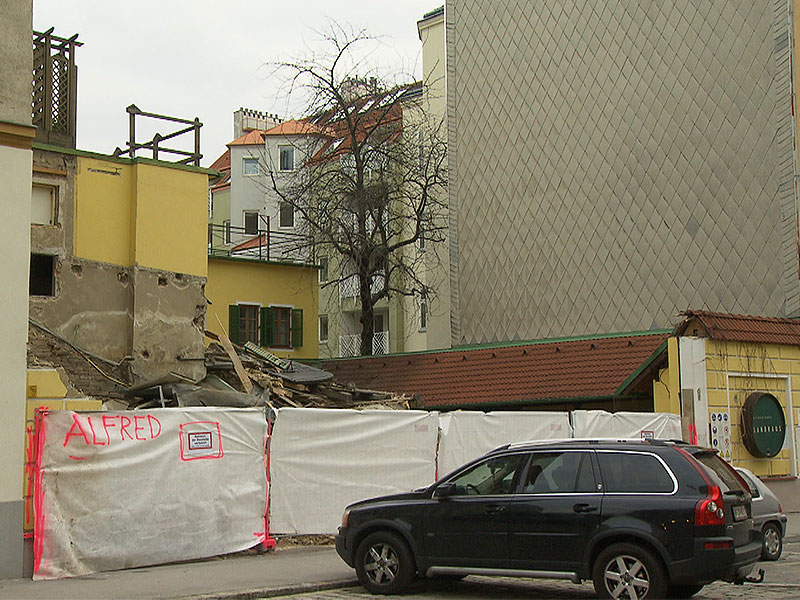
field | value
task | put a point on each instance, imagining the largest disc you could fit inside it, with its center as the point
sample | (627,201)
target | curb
(278,591)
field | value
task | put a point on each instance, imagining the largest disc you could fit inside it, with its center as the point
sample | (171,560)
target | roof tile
(564,369)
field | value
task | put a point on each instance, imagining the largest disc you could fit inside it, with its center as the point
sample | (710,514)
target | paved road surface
(782,581)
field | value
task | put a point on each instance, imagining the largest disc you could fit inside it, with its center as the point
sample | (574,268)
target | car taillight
(711,509)
(345,518)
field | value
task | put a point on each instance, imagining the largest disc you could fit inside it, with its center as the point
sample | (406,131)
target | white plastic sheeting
(599,423)
(468,435)
(132,488)
(321,460)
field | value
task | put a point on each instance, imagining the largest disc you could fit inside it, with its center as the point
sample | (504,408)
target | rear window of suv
(634,472)
(722,473)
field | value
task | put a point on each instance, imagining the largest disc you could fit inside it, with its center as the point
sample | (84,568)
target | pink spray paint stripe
(38,492)
(269,541)
(30,458)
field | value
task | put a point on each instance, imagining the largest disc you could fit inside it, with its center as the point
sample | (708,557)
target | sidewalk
(286,571)
(291,570)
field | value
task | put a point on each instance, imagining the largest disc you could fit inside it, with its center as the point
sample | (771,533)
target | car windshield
(722,473)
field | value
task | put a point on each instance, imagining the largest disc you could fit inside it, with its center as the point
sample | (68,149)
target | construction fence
(121,489)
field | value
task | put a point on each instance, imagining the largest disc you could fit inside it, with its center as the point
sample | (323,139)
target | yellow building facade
(272,304)
(717,365)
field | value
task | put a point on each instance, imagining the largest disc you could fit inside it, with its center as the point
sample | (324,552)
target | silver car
(768,515)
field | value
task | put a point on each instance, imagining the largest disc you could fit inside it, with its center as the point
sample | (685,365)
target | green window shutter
(266,326)
(233,324)
(297,328)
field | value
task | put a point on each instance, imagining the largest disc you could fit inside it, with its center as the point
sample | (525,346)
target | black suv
(641,519)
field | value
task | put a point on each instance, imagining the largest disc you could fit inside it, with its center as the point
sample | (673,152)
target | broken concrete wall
(91,308)
(169,312)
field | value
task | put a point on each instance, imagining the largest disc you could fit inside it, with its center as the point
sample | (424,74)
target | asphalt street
(782,580)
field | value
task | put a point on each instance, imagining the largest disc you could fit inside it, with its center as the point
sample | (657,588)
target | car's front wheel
(628,571)
(384,563)
(773,542)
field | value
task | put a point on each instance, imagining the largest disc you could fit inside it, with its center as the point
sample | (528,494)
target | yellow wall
(666,390)
(103,211)
(142,213)
(752,360)
(257,282)
(171,219)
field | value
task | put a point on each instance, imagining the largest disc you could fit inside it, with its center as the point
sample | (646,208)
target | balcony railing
(349,288)
(350,345)
(261,244)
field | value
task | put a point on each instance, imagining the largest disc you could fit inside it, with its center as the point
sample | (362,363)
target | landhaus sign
(763,425)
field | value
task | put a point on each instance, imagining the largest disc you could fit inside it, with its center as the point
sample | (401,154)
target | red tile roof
(297,127)
(743,328)
(251,138)
(223,163)
(590,367)
(259,241)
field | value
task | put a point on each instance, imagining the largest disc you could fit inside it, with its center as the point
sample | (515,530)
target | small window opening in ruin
(44,204)
(43,275)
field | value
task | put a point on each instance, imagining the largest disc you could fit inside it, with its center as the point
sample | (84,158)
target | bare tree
(372,180)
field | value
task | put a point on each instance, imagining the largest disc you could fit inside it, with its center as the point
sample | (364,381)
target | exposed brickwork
(46,350)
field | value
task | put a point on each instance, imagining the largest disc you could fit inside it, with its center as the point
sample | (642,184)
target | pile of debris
(245,376)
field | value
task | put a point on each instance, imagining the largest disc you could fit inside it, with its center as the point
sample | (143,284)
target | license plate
(739,513)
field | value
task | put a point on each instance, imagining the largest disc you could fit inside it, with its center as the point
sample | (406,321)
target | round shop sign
(763,425)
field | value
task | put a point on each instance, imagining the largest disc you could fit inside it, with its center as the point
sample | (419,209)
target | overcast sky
(203,58)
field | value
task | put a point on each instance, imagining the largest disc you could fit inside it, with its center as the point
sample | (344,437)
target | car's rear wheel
(773,542)
(384,563)
(628,571)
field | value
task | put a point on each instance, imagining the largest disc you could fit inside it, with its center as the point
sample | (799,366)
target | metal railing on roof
(258,244)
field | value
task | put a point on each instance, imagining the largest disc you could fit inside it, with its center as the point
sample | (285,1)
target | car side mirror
(445,490)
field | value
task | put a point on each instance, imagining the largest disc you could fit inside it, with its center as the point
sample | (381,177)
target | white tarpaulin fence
(599,423)
(321,460)
(468,435)
(132,488)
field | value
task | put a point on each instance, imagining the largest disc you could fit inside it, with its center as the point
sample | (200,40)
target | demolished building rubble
(273,382)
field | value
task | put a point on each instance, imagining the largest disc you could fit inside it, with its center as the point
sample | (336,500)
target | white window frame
(281,148)
(323,269)
(244,221)
(248,160)
(281,206)
(324,340)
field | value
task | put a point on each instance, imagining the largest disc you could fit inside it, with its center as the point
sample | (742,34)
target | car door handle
(494,509)
(584,508)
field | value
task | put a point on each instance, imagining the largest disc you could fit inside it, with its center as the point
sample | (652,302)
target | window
(323,269)
(421,240)
(559,473)
(323,328)
(285,215)
(423,313)
(489,478)
(44,204)
(286,154)
(227,226)
(251,222)
(281,317)
(634,472)
(282,327)
(42,276)
(250,166)
(248,323)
